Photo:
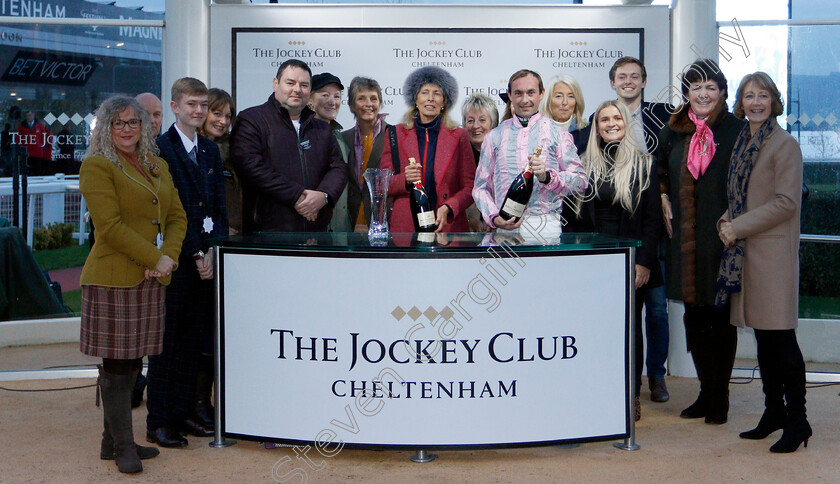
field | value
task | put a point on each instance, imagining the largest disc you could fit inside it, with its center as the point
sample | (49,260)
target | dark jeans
(656,328)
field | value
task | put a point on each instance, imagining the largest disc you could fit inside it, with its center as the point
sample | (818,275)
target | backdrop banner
(480,59)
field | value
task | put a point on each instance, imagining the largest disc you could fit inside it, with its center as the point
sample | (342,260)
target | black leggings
(121,367)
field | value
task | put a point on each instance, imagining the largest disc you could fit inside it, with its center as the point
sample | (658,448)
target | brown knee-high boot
(116,401)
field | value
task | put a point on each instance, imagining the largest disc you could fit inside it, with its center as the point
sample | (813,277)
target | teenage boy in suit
(196,167)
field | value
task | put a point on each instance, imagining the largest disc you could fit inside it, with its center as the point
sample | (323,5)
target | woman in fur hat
(442,151)
(694,151)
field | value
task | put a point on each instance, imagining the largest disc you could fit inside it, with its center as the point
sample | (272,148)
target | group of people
(725,188)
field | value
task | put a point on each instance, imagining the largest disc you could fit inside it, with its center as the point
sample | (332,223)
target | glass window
(52,80)
(752,10)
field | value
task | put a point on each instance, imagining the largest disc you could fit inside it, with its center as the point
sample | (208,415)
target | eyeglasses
(119,124)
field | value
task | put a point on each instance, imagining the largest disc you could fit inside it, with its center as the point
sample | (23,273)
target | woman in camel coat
(759,271)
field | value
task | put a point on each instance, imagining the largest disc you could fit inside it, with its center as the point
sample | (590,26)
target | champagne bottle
(519,192)
(422,212)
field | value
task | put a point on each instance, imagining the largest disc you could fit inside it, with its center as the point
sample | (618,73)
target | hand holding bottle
(538,166)
(413,172)
(519,193)
(511,224)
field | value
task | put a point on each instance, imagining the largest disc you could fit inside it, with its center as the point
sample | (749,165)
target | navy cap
(321,80)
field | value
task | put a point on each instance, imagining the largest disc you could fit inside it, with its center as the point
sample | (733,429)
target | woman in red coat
(442,151)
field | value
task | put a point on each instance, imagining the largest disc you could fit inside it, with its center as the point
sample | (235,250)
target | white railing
(50,199)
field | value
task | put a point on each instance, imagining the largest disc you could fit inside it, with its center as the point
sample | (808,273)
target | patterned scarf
(731,270)
(702,147)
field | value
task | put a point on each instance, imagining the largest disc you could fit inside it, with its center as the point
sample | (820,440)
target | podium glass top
(422,242)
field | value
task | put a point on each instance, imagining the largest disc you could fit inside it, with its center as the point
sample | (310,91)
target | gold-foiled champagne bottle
(519,192)
(422,212)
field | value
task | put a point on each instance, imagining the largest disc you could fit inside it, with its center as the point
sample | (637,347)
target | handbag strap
(395,155)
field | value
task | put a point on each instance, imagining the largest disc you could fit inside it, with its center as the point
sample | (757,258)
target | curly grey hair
(430,75)
(101,141)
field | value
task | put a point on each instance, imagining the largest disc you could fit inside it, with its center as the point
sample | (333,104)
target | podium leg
(219,442)
(630,443)
(421,457)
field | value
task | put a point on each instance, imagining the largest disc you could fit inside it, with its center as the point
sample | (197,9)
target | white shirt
(637,127)
(189,144)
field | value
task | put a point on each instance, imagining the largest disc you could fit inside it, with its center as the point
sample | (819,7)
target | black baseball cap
(321,80)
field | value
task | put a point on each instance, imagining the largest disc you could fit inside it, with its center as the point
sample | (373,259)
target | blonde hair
(630,170)
(480,102)
(413,112)
(102,143)
(545,104)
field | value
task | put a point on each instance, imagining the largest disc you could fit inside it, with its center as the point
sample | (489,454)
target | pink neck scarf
(702,147)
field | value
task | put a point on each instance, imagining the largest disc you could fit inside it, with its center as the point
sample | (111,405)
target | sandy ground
(54,437)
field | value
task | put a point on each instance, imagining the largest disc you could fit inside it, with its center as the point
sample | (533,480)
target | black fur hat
(431,75)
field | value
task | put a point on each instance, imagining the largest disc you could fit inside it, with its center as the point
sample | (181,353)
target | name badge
(159,240)
(305,144)
(208,225)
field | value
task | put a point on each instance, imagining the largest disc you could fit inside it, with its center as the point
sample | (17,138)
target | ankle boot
(116,402)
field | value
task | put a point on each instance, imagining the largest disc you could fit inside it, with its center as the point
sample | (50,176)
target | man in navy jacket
(290,164)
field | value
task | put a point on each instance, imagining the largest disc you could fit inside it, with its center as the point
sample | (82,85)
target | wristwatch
(327,198)
(198,255)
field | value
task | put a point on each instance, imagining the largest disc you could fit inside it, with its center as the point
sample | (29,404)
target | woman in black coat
(623,201)
(693,153)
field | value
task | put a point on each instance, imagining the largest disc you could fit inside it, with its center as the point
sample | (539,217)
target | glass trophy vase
(377,182)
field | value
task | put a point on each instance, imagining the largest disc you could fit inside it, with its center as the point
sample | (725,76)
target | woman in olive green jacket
(140,226)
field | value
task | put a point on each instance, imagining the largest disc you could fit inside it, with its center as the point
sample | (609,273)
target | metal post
(630,443)
(219,441)
(24,201)
(421,457)
(15,187)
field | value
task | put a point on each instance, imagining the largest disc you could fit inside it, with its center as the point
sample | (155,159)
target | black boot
(797,430)
(204,412)
(774,416)
(116,401)
(771,421)
(700,407)
(723,339)
(696,336)
(137,392)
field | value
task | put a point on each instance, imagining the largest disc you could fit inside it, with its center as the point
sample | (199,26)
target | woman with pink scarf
(693,155)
